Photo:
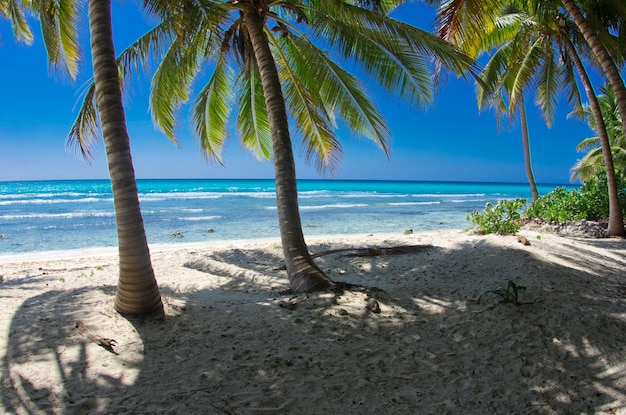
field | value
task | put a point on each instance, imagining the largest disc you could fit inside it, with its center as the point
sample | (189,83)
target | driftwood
(393,250)
(108,344)
(365,252)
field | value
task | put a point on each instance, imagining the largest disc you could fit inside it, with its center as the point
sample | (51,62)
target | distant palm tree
(548,21)
(262,57)
(137,290)
(593,162)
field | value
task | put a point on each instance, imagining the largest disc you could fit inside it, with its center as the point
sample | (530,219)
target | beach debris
(373,306)
(523,240)
(103,342)
(392,250)
(210,230)
(177,234)
(408,232)
(289,305)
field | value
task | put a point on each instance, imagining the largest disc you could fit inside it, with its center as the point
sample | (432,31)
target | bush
(590,202)
(500,219)
(558,205)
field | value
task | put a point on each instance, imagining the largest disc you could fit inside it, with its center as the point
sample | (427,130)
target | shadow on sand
(431,350)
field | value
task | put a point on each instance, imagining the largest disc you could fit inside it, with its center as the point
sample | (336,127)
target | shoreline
(181,246)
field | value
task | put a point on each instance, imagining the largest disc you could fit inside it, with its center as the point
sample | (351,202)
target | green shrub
(500,219)
(558,205)
(590,202)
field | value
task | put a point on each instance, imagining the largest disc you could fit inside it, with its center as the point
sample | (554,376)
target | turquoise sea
(40,216)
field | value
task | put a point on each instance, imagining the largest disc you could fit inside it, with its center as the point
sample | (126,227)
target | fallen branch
(100,341)
(366,252)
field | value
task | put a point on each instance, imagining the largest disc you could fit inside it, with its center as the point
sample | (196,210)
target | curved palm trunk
(304,275)
(137,290)
(526,142)
(602,56)
(616,220)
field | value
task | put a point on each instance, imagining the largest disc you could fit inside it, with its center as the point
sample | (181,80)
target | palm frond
(171,83)
(212,109)
(298,72)
(15,14)
(59,30)
(85,130)
(548,84)
(253,122)
(342,93)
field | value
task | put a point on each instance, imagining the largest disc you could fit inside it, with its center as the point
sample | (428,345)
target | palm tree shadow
(232,350)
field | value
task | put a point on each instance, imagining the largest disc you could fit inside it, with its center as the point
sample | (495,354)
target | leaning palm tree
(593,162)
(555,25)
(613,11)
(262,58)
(137,290)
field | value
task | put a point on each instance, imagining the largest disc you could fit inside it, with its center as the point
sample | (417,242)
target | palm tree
(593,162)
(523,58)
(261,53)
(551,25)
(137,290)
(594,35)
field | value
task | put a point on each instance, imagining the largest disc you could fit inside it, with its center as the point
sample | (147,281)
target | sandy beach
(231,343)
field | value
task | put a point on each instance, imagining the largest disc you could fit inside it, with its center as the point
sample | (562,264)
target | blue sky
(449,141)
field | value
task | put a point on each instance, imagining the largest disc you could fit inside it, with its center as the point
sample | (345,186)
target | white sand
(226,347)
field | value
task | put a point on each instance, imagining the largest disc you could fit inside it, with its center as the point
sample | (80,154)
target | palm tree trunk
(526,143)
(616,219)
(137,290)
(304,274)
(602,56)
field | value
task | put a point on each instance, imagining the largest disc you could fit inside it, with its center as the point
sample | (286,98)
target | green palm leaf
(212,109)
(253,122)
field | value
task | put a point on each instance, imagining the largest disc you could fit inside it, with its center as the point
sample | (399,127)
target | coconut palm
(593,162)
(555,27)
(262,58)
(137,291)
(596,35)
(523,59)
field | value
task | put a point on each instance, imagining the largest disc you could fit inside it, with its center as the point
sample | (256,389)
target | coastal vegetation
(592,164)
(590,202)
(501,219)
(541,45)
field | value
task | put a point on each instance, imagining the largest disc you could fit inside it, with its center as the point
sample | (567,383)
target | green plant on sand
(500,219)
(510,294)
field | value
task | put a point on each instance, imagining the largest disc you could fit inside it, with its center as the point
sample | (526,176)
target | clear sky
(450,141)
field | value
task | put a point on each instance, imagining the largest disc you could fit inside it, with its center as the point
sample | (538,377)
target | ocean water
(62,215)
